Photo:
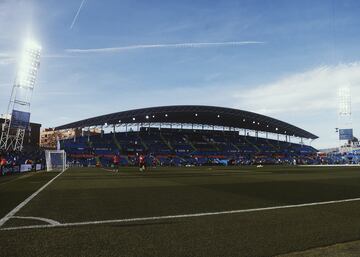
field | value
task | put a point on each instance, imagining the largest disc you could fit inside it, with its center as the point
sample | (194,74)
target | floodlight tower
(344,115)
(17,117)
(345,103)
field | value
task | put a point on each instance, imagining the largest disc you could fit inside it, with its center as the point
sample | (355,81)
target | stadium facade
(188,134)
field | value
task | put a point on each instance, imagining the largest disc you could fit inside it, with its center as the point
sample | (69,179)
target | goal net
(55,160)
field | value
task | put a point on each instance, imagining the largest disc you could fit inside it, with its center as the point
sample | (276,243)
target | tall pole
(344,114)
(17,117)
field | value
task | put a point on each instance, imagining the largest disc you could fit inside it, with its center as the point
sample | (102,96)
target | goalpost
(55,160)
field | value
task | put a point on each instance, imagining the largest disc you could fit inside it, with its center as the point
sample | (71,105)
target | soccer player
(116,162)
(142,165)
(154,162)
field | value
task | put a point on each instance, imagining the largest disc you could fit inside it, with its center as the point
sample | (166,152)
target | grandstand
(188,135)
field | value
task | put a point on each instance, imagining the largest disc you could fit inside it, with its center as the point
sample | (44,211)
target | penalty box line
(181,216)
(27,200)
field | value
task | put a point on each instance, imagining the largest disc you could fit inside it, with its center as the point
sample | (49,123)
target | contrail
(178,45)
(77,13)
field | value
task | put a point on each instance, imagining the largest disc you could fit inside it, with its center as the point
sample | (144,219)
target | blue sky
(301,52)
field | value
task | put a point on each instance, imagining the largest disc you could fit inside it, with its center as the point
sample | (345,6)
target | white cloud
(6,58)
(313,90)
(308,99)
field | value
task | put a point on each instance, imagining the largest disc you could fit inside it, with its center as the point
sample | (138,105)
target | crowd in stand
(171,147)
(152,160)
(11,161)
(168,147)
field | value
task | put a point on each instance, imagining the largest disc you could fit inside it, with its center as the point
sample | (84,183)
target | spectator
(3,163)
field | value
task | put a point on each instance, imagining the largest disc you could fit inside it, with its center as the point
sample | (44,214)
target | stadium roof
(195,114)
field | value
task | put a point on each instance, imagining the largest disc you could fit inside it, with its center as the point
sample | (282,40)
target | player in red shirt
(3,163)
(142,164)
(116,162)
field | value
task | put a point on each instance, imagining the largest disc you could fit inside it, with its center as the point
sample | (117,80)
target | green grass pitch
(94,194)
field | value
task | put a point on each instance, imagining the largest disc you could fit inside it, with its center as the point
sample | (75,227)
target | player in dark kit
(142,164)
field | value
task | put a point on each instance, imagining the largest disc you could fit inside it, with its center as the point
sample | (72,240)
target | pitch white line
(236,172)
(228,172)
(330,165)
(182,215)
(50,221)
(17,208)
(108,170)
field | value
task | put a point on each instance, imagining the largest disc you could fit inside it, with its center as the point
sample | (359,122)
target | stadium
(218,181)
(188,135)
(145,136)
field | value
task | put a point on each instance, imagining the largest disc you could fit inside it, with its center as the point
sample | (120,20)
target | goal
(55,160)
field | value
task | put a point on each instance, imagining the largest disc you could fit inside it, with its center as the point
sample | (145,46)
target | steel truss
(14,128)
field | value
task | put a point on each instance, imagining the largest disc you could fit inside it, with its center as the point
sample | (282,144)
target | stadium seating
(184,147)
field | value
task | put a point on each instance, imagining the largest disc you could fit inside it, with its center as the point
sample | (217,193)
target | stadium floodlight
(344,115)
(18,112)
(29,65)
(344,101)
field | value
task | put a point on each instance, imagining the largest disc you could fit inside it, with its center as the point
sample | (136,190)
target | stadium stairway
(235,146)
(188,141)
(230,141)
(252,144)
(117,143)
(146,147)
(166,142)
